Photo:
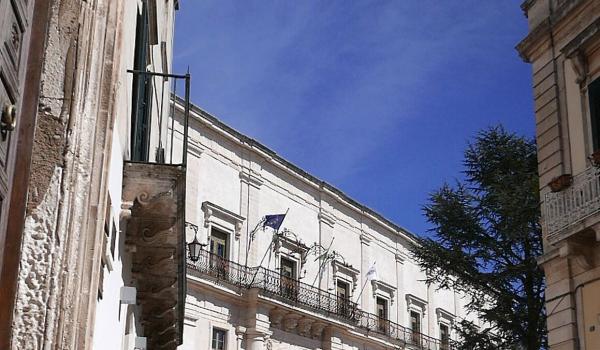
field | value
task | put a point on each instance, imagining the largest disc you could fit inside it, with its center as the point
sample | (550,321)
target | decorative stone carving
(276,316)
(444,316)
(383,289)
(304,326)
(580,253)
(290,322)
(213,211)
(415,303)
(153,207)
(317,329)
(345,272)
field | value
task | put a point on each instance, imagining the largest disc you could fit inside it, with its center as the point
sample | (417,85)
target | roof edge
(401,231)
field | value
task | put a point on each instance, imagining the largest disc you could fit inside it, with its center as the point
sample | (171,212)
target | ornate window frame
(223,220)
(346,273)
(215,215)
(293,250)
(383,290)
(445,318)
(416,304)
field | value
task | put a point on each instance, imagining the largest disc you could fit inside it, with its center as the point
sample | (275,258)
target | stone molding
(345,272)
(383,289)
(415,303)
(212,210)
(327,218)
(251,178)
(365,239)
(444,316)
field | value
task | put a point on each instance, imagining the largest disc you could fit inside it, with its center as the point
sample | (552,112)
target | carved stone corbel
(290,322)
(304,326)
(580,67)
(317,329)
(578,252)
(276,316)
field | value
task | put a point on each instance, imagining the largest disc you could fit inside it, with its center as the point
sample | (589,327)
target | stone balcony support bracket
(154,207)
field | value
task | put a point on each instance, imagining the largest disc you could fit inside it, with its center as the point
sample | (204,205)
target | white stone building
(300,288)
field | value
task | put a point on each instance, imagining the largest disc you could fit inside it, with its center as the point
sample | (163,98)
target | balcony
(295,293)
(568,211)
(153,206)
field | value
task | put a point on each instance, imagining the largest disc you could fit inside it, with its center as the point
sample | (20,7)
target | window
(594,96)
(142,90)
(415,326)
(288,278)
(218,243)
(218,339)
(343,295)
(444,336)
(218,248)
(382,313)
(342,290)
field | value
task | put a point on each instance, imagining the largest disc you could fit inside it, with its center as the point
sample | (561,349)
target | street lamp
(194,247)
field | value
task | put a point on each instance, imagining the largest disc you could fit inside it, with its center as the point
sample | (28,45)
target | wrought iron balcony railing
(300,294)
(153,117)
(573,204)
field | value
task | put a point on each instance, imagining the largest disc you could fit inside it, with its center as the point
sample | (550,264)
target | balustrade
(297,293)
(573,204)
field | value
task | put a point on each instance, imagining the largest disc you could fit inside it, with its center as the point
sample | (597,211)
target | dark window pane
(594,96)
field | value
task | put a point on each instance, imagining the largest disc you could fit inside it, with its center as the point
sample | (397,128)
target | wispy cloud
(333,84)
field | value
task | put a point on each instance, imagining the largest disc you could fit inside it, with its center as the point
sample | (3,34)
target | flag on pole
(274,221)
(372,273)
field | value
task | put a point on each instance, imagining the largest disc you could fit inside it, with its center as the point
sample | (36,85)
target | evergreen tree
(486,237)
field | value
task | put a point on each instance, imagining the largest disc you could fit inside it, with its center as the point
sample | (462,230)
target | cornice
(444,315)
(582,39)
(542,31)
(533,39)
(414,302)
(210,121)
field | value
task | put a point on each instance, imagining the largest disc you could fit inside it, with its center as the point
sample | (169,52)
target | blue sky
(378,98)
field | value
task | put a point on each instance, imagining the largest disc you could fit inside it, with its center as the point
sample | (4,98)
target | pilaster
(366,262)
(250,184)
(326,224)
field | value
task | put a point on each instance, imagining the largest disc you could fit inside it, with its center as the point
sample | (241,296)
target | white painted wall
(218,160)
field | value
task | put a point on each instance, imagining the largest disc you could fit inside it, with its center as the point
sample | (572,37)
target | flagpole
(361,291)
(365,284)
(269,247)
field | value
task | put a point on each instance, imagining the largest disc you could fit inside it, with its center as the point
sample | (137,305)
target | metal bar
(187,115)
(166,75)
(173,119)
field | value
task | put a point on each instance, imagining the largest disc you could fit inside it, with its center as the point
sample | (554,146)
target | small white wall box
(140,343)
(128,295)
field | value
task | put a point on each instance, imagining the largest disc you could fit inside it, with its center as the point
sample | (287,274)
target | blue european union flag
(274,221)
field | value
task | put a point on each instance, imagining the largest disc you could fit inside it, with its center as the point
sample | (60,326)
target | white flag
(372,273)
